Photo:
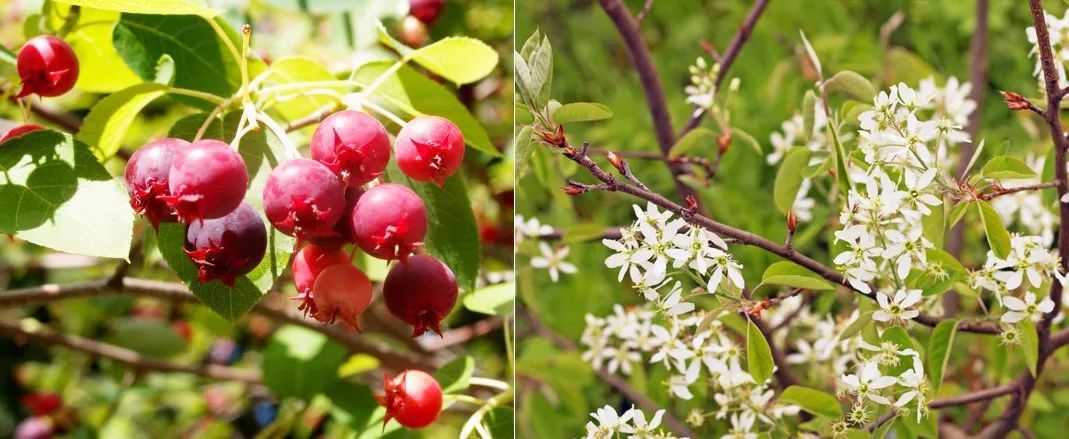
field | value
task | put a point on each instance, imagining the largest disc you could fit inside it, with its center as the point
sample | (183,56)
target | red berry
(20,130)
(353,145)
(341,293)
(147,174)
(47,66)
(228,247)
(429,148)
(389,222)
(304,198)
(307,264)
(42,403)
(420,292)
(343,230)
(413,397)
(426,11)
(207,180)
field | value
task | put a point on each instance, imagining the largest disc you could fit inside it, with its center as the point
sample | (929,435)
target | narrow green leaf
(939,348)
(852,85)
(789,274)
(105,126)
(813,401)
(583,232)
(1007,168)
(525,146)
(809,108)
(789,178)
(492,300)
(696,138)
(7,56)
(1029,344)
(748,139)
(461,60)
(455,376)
(855,328)
(758,354)
(997,235)
(957,212)
(581,112)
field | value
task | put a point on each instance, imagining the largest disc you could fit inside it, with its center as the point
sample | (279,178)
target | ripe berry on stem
(47,66)
(207,180)
(429,148)
(309,261)
(353,145)
(303,198)
(341,293)
(413,398)
(227,247)
(20,130)
(147,174)
(389,222)
(420,292)
(426,11)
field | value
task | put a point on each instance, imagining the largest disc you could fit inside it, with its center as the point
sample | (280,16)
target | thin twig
(998,190)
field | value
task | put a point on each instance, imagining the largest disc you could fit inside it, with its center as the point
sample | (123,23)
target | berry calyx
(389,222)
(47,66)
(341,293)
(227,247)
(353,145)
(429,148)
(303,198)
(420,292)
(426,11)
(147,174)
(20,130)
(207,180)
(308,263)
(413,398)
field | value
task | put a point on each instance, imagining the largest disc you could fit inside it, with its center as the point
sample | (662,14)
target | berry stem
(381,79)
(196,94)
(280,133)
(229,45)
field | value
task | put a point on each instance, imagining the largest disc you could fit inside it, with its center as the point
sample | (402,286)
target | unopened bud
(692,203)
(1014,101)
(792,221)
(724,141)
(616,161)
(573,190)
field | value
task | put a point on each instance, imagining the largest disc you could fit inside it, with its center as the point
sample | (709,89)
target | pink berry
(207,180)
(307,264)
(227,247)
(429,148)
(426,11)
(353,145)
(147,174)
(413,398)
(420,292)
(20,130)
(47,66)
(303,198)
(341,293)
(389,222)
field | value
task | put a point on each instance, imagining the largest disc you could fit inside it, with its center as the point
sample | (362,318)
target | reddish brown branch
(998,190)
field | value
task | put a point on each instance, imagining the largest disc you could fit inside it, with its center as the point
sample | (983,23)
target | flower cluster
(1027,265)
(1027,209)
(1059,36)
(888,375)
(631,423)
(702,89)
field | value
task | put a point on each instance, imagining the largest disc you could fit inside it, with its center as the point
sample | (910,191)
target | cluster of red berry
(47,66)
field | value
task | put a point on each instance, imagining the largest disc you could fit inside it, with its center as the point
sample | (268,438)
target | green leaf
(1007,168)
(789,274)
(105,126)
(809,108)
(957,212)
(855,328)
(899,336)
(100,69)
(748,139)
(154,338)
(416,95)
(997,235)
(789,178)
(389,41)
(461,60)
(852,85)
(1029,344)
(525,147)
(758,354)
(354,406)
(163,7)
(813,401)
(293,70)
(583,232)
(581,112)
(939,347)
(203,61)
(455,376)
(301,363)
(493,300)
(55,194)
(7,56)
(697,137)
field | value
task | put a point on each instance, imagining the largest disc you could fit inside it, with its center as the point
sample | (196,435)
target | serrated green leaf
(852,85)
(695,138)
(789,178)
(813,401)
(789,274)
(162,7)
(939,348)
(461,60)
(1007,168)
(455,376)
(1029,344)
(58,196)
(998,238)
(105,126)
(301,363)
(581,112)
(758,354)
(492,300)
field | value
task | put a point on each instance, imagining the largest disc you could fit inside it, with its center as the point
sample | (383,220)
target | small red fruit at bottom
(341,293)
(20,130)
(420,292)
(308,263)
(303,198)
(207,180)
(389,222)
(413,398)
(228,247)
(42,403)
(47,66)
(429,149)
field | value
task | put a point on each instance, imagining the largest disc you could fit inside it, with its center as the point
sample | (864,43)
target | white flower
(639,429)
(897,308)
(553,260)
(672,305)
(627,258)
(912,379)
(909,249)
(679,385)
(1027,308)
(530,228)
(723,263)
(741,424)
(867,383)
(608,423)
